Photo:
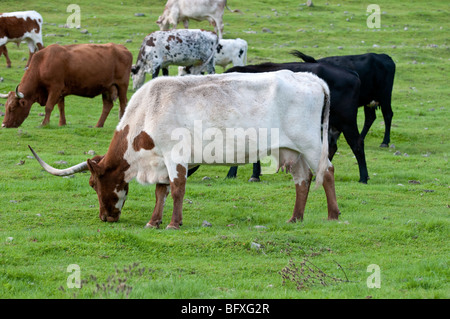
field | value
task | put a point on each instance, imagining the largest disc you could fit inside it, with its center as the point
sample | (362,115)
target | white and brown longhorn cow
(157,139)
(177,11)
(21,26)
(85,70)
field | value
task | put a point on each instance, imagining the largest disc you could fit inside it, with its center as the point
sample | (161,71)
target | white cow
(173,123)
(177,47)
(177,11)
(228,51)
(21,26)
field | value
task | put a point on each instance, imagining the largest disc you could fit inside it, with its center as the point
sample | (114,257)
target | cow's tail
(323,162)
(237,10)
(303,56)
(205,64)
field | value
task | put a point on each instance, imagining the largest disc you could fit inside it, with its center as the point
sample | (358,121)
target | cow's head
(111,188)
(163,23)
(17,108)
(137,76)
(108,182)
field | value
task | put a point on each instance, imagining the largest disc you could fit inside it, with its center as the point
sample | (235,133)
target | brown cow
(85,70)
(21,26)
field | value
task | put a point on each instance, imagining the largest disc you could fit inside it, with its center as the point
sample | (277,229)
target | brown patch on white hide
(143,141)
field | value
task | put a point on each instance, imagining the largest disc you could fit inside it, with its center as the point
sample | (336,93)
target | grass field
(399,221)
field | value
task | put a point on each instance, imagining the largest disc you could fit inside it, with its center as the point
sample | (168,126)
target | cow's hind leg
(107,106)
(161,192)
(356,143)
(330,192)
(62,113)
(4,51)
(388,114)
(328,184)
(123,100)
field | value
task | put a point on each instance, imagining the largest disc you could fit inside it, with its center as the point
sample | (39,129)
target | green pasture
(399,221)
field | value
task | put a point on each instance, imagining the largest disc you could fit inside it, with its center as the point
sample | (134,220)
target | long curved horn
(60,172)
(19,94)
(3,96)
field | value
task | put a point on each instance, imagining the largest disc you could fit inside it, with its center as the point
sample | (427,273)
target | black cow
(344,90)
(376,72)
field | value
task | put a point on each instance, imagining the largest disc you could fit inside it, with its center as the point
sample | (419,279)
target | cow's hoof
(334,216)
(170,226)
(151,225)
(254,179)
(384,145)
(294,220)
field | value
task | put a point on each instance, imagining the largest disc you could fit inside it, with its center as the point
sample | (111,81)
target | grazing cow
(177,11)
(177,47)
(344,88)
(376,72)
(228,51)
(79,69)
(153,141)
(21,26)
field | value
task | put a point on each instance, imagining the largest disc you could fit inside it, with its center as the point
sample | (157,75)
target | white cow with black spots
(187,47)
(228,51)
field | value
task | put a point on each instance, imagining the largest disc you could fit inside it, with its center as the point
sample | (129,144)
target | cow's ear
(94,167)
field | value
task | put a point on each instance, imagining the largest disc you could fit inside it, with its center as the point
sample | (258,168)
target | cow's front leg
(52,99)
(177,189)
(161,192)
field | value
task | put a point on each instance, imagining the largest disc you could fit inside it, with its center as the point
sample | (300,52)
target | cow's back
(178,45)
(82,69)
(376,71)
(199,9)
(279,100)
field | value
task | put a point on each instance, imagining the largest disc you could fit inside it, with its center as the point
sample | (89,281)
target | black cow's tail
(303,56)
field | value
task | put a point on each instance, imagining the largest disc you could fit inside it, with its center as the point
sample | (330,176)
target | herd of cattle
(310,103)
